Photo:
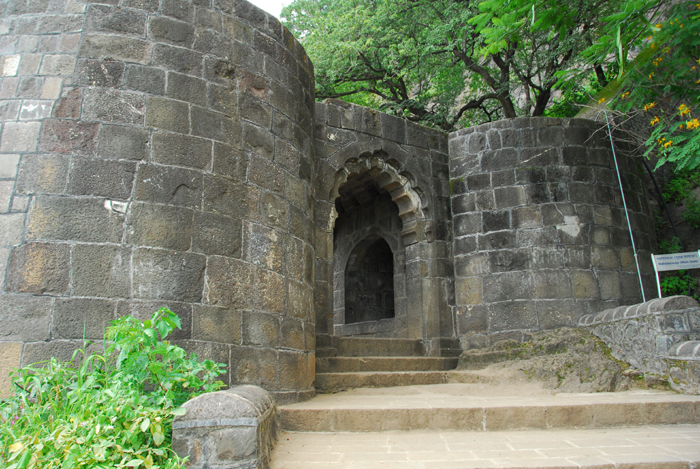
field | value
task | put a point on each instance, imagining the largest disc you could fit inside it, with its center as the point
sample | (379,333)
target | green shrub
(105,410)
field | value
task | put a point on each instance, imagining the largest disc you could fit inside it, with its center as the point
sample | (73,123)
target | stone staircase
(404,409)
(347,363)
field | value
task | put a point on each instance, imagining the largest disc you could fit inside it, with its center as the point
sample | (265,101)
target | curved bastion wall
(540,234)
(157,153)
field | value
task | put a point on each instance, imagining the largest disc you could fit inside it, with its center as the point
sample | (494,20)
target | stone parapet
(661,336)
(224,429)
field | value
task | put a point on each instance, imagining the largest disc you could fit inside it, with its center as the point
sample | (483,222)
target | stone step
(362,364)
(479,407)
(370,347)
(336,382)
(645,447)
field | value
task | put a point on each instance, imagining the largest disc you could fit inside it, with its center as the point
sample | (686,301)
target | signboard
(679,261)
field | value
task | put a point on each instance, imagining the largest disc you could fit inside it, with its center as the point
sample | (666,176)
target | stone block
(112,179)
(169,185)
(68,106)
(74,219)
(293,370)
(393,128)
(295,263)
(301,299)
(526,217)
(266,174)
(235,200)
(512,315)
(58,64)
(9,165)
(122,21)
(186,88)
(548,284)
(103,73)
(506,286)
(507,197)
(11,229)
(178,9)
(263,246)
(254,366)
(181,150)
(496,221)
(171,31)
(59,136)
(177,59)
(231,162)
(167,114)
(10,358)
(25,318)
(120,142)
(605,258)
(35,109)
(166,275)
(120,48)
(539,156)
(146,79)
(108,105)
(39,268)
(559,313)
(510,260)
(467,266)
(496,160)
(497,240)
(609,283)
(232,283)
(20,136)
(216,234)
(213,324)
(274,211)
(81,318)
(159,226)
(101,271)
(469,223)
(468,291)
(42,174)
(260,329)
(214,125)
(143,310)
(223,99)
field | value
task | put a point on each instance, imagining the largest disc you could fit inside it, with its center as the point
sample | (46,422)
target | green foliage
(669,246)
(678,190)
(692,212)
(105,410)
(679,284)
(574,95)
(434,61)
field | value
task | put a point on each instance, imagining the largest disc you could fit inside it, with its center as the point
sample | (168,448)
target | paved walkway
(672,447)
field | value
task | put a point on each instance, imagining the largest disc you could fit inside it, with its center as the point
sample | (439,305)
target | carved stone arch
(399,186)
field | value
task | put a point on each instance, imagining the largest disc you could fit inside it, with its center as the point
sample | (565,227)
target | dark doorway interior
(369,281)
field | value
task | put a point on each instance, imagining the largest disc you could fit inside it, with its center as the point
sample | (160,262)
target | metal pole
(624,203)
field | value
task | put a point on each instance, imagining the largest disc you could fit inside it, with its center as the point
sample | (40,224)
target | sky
(274,7)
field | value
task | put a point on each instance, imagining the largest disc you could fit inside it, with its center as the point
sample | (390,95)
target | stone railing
(226,429)
(661,336)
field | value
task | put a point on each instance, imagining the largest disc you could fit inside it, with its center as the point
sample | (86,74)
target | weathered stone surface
(101,271)
(107,105)
(74,219)
(69,137)
(81,318)
(10,358)
(122,143)
(216,234)
(113,179)
(39,268)
(182,150)
(263,246)
(176,186)
(167,114)
(115,47)
(43,174)
(167,275)
(214,324)
(25,317)
(11,229)
(235,200)
(260,329)
(159,226)
(232,283)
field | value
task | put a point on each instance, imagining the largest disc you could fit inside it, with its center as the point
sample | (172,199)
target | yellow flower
(683,110)
(692,124)
(624,95)
(666,50)
(649,106)
(658,25)
(651,75)
(668,144)
(654,121)
(601,100)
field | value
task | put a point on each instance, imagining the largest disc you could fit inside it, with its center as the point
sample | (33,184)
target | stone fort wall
(170,153)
